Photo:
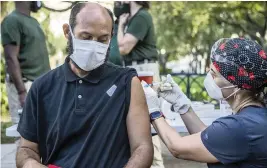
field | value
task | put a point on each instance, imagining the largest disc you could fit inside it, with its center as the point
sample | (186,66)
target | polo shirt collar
(93,77)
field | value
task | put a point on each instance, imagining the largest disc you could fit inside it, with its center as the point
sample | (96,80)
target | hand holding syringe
(165,84)
(153,84)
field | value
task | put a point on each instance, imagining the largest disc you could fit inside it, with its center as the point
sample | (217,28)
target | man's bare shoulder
(137,90)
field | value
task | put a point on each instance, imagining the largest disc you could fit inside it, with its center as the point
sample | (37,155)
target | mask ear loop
(234,93)
(70,29)
(72,38)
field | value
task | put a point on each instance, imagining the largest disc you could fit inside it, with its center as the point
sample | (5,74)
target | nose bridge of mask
(213,90)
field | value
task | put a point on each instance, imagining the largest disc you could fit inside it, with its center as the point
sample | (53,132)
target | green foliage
(4,101)
(54,44)
(192,27)
(197,90)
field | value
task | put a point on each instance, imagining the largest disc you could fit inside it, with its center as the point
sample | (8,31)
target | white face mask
(214,90)
(88,54)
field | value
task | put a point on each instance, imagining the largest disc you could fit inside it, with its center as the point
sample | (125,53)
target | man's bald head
(87,8)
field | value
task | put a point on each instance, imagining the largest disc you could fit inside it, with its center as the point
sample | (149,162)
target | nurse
(238,74)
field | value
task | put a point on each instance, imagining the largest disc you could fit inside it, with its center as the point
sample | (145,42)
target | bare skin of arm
(28,155)
(126,42)
(139,130)
(192,122)
(188,147)
(13,68)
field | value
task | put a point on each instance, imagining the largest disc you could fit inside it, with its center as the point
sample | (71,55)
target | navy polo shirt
(239,141)
(80,122)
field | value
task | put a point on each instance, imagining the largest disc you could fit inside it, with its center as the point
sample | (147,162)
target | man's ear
(66,30)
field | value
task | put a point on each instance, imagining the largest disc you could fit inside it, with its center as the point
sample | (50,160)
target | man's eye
(103,40)
(87,37)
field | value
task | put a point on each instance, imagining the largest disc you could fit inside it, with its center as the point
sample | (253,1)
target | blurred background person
(25,53)
(137,45)
(114,54)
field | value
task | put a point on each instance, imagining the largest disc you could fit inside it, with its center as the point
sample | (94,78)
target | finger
(165,85)
(163,89)
(163,78)
(122,16)
(169,78)
(162,94)
(126,15)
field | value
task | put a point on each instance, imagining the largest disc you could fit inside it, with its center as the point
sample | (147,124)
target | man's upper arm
(11,51)
(138,124)
(10,31)
(28,121)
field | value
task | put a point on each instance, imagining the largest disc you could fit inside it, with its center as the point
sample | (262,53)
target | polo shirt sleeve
(28,121)
(138,27)
(226,140)
(10,31)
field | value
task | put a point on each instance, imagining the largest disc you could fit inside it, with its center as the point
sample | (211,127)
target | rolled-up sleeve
(28,121)
(226,140)
(138,27)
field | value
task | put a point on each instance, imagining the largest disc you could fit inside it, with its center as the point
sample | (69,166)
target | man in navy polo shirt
(87,112)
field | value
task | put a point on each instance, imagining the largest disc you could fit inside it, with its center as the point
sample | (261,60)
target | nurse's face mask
(214,90)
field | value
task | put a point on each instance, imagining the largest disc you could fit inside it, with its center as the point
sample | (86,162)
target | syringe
(153,84)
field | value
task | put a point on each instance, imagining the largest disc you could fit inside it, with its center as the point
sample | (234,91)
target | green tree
(184,28)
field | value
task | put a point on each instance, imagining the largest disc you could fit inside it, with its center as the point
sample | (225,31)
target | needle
(153,84)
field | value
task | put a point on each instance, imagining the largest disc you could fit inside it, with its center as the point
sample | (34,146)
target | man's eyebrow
(86,33)
(105,35)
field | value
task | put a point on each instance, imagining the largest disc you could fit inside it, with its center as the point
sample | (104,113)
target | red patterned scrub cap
(241,61)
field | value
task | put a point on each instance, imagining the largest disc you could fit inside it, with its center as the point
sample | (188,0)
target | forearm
(142,157)
(25,155)
(168,135)
(14,71)
(193,122)
(120,34)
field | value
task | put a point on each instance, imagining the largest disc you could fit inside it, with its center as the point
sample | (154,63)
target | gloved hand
(152,99)
(172,93)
